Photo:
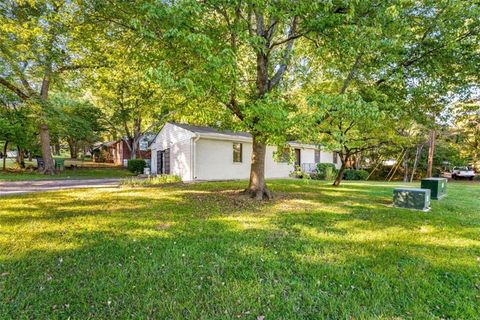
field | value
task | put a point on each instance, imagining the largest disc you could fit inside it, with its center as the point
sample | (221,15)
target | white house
(203,153)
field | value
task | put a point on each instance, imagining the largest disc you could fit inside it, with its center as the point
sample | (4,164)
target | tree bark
(57,149)
(49,167)
(133,150)
(415,163)
(257,187)
(20,157)
(5,148)
(431,151)
(405,167)
(72,145)
(339,177)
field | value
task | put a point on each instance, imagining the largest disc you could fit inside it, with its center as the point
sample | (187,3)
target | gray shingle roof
(208,130)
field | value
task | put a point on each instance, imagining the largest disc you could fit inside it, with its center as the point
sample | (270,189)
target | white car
(463,172)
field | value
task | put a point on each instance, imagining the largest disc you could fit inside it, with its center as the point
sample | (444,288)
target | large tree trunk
(137,135)
(431,151)
(57,149)
(20,157)
(133,149)
(44,133)
(73,146)
(5,148)
(339,177)
(344,159)
(257,187)
(49,167)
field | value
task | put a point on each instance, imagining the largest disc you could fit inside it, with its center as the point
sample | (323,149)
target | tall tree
(393,53)
(36,46)
(237,55)
(76,122)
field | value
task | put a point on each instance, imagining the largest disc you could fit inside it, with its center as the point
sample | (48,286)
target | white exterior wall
(307,155)
(181,159)
(209,158)
(327,157)
(180,143)
(274,169)
(214,161)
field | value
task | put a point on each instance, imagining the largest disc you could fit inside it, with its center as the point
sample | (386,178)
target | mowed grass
(81,173)
(202,251)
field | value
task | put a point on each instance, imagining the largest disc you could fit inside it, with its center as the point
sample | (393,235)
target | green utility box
(60,164)
(412,198)
(437,186)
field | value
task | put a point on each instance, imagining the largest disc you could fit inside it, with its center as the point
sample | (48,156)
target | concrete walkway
(18,187)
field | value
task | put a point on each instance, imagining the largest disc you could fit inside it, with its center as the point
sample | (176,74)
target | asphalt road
(18,187)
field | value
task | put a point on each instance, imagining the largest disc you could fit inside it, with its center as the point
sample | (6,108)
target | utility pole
(431,150)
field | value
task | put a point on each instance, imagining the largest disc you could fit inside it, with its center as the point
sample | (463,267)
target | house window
(317,155)
(237,152)
(335,157)
(143,145)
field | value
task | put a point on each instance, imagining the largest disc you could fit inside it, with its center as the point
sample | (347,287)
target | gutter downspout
(194,156)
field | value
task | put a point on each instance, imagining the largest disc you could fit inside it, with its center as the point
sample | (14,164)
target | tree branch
(10,86)
(286,57)
(351,74)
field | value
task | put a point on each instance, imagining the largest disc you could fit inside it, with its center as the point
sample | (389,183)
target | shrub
(151,181)
(136,165)
(298,173)
(325,171)
(351,174)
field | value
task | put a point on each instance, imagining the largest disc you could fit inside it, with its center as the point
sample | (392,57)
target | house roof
(230,135)
(208,131)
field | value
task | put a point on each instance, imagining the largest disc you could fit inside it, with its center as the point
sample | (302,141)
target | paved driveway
(17,187)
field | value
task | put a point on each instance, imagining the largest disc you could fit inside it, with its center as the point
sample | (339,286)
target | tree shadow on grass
(199,253)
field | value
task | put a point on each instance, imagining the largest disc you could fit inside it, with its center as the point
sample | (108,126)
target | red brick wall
(121,152)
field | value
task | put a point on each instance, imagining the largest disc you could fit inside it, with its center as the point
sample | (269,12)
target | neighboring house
(202,153)
(117,151)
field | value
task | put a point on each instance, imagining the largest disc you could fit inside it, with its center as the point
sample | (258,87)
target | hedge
(325,171)
(351,174)
(136,165)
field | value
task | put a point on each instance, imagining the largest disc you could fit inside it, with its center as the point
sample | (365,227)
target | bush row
(328,171)
(351,174)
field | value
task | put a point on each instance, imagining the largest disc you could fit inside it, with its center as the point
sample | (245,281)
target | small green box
(412,198)
(437,186)
(60,164)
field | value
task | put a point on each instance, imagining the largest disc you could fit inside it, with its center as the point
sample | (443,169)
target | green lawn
(203,252)
(81,173)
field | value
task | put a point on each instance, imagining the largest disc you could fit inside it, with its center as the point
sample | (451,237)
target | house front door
(298,160)
(163,161)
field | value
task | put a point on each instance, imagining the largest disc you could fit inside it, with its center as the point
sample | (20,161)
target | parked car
(463,172)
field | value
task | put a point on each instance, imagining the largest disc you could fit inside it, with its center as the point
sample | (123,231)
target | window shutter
(317,155)
(167,161)
(159,162)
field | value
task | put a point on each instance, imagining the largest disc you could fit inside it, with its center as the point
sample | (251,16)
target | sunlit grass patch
(80,173)
(206,251)
(151,180)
